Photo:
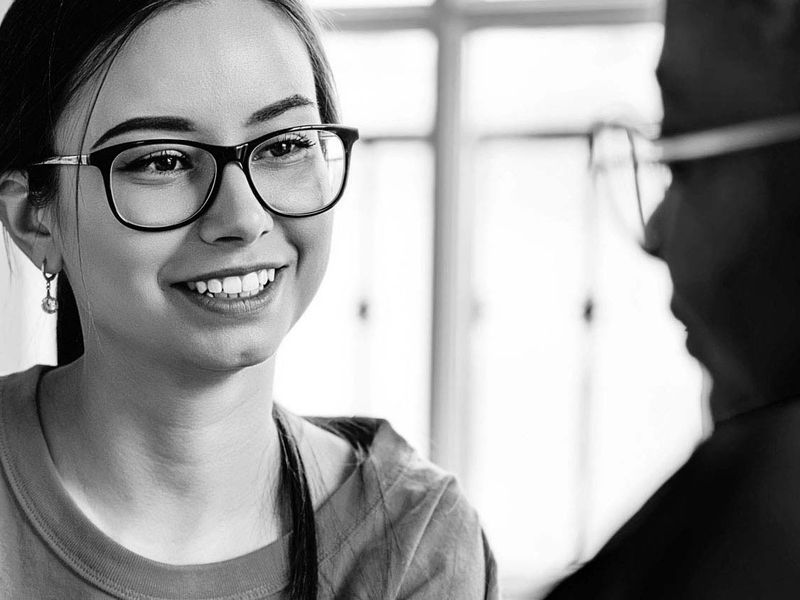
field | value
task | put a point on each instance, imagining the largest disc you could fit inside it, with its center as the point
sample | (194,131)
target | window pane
(527,351)
(561,78)
(386,81)
(645,405)
(363,346)
(576,421)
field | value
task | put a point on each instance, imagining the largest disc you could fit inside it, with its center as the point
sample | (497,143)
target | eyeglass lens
(160,185)
(633,184)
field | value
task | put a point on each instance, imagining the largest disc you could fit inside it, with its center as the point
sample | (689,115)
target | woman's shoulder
(21,385)
(399,467)
(19,422)
(387,467)
(18,401)
(410,519)
(400,485)
(19,466)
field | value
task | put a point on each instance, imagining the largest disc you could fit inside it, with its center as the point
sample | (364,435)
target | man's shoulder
(725,525)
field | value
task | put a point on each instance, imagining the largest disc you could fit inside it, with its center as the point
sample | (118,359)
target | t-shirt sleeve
(452,559)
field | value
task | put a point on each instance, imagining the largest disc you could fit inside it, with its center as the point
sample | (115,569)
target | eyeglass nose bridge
(223,156)
(228,154)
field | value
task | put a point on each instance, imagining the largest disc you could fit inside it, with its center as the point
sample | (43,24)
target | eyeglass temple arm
(77,159)
(724,140)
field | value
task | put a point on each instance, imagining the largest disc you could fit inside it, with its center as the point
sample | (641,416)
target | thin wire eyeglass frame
(696,145)
(223,155)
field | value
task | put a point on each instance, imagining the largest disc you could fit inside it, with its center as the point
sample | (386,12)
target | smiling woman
(174,163)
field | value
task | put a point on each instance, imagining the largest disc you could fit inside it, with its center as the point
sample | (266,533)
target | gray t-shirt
(398,527)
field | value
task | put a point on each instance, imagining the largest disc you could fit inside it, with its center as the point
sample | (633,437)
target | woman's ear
(30,227)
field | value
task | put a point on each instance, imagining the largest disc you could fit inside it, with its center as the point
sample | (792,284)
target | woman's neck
(180,467)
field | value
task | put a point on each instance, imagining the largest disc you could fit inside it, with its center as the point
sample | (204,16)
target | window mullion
(452,289)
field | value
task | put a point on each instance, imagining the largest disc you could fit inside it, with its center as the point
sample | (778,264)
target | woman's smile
(233,294)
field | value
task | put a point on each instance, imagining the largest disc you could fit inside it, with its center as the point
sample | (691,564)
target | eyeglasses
(635,170)
(162,184)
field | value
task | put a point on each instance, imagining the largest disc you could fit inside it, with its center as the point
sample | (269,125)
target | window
(557,425)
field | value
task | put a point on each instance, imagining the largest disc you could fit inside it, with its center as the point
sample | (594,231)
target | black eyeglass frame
(239,153)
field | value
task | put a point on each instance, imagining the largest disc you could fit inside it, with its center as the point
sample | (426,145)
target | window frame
(450,21)
(452,298)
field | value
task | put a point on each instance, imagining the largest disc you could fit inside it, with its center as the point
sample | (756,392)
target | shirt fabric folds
(398,527)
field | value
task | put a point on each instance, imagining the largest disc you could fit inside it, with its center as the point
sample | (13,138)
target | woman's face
(205,71)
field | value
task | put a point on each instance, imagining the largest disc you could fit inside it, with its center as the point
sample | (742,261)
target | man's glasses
(162,184)
(634,171)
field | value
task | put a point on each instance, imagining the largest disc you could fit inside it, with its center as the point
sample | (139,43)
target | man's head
(729,228)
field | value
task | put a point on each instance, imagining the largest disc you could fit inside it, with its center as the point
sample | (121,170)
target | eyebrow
(168,123)
(276,109)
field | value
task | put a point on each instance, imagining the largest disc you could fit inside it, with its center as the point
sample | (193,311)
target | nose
(235,215)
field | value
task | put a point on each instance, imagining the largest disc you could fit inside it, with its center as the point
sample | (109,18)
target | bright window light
(578,422)
(561,78)
(363,347)
(387,81)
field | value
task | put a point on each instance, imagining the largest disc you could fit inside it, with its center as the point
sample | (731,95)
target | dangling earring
(49,303)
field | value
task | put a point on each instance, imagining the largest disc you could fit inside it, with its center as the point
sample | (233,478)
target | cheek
(312,239)
(714,218)
(107,263)
(83,211)
(718,251)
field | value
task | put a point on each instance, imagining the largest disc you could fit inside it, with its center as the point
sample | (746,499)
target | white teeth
(250,282)
(232,285)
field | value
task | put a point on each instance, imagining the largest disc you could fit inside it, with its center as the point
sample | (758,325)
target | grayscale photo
(399,299)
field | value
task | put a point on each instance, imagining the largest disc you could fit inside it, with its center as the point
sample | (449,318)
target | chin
(226,357)
(240,358)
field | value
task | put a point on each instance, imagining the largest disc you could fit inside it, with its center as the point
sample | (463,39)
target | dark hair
(50,49)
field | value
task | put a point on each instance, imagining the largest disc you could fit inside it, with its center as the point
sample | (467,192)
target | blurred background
(480,296)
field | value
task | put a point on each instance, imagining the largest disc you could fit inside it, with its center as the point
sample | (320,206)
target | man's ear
(29,226)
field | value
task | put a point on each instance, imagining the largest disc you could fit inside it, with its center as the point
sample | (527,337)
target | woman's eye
(281,149)
(285,149)
(165,161)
